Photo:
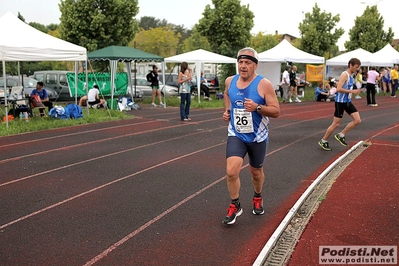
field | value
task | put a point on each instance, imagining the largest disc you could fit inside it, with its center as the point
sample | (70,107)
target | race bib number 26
(243,121)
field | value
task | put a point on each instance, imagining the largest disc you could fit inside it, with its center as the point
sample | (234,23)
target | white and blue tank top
(342,97)
(247,126)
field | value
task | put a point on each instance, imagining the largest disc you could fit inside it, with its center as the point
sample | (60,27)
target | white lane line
(102,157)
(146,225)
(94,141)
(104,185)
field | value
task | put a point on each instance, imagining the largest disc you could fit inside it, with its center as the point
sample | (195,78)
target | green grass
(36,123)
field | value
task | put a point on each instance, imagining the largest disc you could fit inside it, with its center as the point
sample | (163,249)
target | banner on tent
(102,79)
(314,73)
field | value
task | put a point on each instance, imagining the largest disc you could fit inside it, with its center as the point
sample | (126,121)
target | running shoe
(154,105)
(258,206)
(341,140)
(232,213)
(297,100)
(324,145)
(162,104)
(290,100)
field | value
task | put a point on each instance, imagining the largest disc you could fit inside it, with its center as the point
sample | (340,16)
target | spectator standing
(395,83)
(293,85)
(372,77)
(359,82)
(249,101)
(156,91)
(285,83)
(42,93)
(343,103)
(386,80)
(183,79)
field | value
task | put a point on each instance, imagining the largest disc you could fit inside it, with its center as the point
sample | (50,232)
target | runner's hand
(226,115)
(250,105)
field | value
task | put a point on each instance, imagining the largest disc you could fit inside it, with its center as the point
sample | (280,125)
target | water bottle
(22,115)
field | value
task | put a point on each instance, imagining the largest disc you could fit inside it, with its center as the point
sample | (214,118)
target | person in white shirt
(285,83)
(93,97)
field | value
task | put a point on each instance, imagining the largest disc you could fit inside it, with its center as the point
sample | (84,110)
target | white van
(55,79)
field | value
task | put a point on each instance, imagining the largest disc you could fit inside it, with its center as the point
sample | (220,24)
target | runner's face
(354,68)
(246,67)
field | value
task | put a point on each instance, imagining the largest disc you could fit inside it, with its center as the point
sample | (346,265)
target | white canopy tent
(338,64)
(286,52)
(199,57)
(21,42)
(387,56)
(343,59)
(270,60)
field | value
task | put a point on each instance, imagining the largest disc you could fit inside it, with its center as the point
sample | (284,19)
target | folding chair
(42,109)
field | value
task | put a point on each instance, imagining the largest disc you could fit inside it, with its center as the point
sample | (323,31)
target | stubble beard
(247,76)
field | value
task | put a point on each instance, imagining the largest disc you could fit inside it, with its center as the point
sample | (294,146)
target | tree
(147,23)
(262,42)
(368,33)
(159,41)
(227,27)
(194,42)
(97,24)
(318,32)
(21,17)
(39,26)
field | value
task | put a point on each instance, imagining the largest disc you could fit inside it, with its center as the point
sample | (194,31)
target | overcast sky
(282,16)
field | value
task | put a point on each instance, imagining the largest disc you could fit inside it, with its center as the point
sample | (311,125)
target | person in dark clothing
(293,83)
(204,87)
(155,86)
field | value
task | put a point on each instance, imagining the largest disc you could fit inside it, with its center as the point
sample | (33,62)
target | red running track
(362,207)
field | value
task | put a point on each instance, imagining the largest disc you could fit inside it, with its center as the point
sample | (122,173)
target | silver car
(29,86)
(143,85)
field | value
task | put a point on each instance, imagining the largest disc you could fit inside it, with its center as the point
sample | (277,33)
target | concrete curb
(287,219)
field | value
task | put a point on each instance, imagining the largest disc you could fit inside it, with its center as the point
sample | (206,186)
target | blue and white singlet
(247,126)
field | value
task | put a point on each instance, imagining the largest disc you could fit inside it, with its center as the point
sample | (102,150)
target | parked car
(171,80)
(212,79)
(138,93)
(29,86)
(143,85)
(55,79)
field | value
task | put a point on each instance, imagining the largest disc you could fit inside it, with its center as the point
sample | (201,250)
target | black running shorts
(340,108)
(256,150)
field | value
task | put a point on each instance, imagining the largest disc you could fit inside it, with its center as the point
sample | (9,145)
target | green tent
(125,54)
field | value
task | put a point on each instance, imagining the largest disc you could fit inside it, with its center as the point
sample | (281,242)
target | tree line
(224,28)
